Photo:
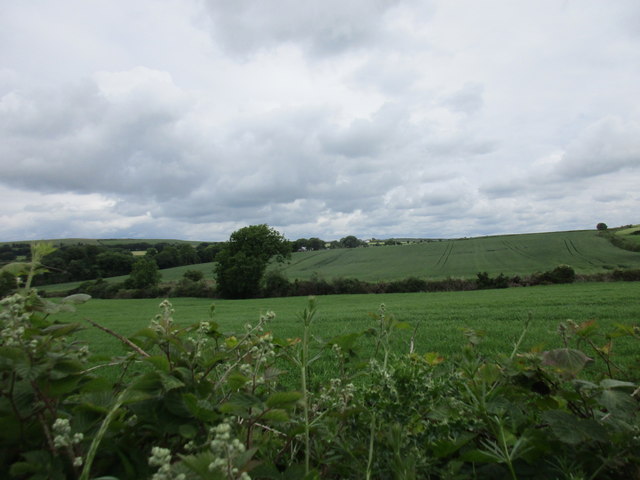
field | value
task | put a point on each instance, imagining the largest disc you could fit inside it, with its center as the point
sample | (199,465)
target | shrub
(483,281)
(213,405)
(193,275)
(276,285)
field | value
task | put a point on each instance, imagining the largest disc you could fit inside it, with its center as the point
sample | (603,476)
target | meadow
(440,319)
(523,254)
(585,251)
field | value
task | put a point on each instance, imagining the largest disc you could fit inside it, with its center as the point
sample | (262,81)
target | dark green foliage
(144,274)
(484,281)
(243,260)
(560,274)
(219,402)
(188,287)
(627,275)
(601,226)
(114,263)
(351,241)
(7,283)
(276,285)
(194,275)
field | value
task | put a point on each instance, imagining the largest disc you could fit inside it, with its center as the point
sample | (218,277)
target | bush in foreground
(195,403)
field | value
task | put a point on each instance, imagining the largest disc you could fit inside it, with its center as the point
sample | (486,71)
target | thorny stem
(124,340)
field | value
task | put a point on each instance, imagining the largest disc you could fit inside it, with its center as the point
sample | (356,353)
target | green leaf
(611,383)
(573,430)
(283,399)
(345,342)
(445,447)
(169,382)
(567,360)
(17,268)
(77,299)
(478,456)
(618,402)
(188,431)
(149,382)
(276,415)
(159,361)
(62,329)
(236,381)
(200,409)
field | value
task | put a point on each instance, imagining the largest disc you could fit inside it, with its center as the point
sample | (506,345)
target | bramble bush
(196,403)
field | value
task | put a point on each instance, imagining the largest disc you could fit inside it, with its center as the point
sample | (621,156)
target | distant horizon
(160,239)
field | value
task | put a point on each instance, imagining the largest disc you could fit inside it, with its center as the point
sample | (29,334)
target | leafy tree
(243,260)
(601,226)
(187,255)
(315,243)
(350,242)
(168,257)
(144,274)
(114,263)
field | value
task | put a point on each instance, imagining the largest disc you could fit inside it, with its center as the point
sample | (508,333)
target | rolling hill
(522,254)
(584,250)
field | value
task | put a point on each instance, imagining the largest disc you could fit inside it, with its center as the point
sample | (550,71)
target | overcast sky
(192,118)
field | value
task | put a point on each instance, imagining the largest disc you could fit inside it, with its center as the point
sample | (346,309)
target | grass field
(440,317)
(585,251)
(512,255)
(631,234)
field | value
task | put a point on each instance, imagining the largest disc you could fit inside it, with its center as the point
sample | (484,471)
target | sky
(189,119)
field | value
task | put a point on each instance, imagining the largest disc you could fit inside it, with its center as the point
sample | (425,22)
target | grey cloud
(327,27)
(607,146)
(78,139)
(469,99)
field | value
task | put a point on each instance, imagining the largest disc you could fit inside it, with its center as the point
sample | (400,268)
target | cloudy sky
(192,118)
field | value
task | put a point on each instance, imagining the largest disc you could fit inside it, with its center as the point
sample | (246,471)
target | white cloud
(381,118)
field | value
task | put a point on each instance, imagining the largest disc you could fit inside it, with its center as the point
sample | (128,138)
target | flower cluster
(336,395)
(227,451)
(63,438)
(161,458)
(164,320)
(13,318)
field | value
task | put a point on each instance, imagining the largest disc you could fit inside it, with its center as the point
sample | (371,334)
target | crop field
(440,318)
(511,255)
(585,251)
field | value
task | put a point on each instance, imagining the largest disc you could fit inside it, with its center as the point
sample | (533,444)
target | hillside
(521,254)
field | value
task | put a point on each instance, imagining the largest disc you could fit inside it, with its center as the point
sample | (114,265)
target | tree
(315,243)
(601,226)
(144,274)
(114,263)
(243,260)
(350,242)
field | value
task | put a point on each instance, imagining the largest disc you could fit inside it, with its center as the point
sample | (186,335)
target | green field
(631,234)
(523,254)
(439,317)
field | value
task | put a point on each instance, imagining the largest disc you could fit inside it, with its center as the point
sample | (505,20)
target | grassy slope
(508,254)
(440,316)
(630,234)
(522,254)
